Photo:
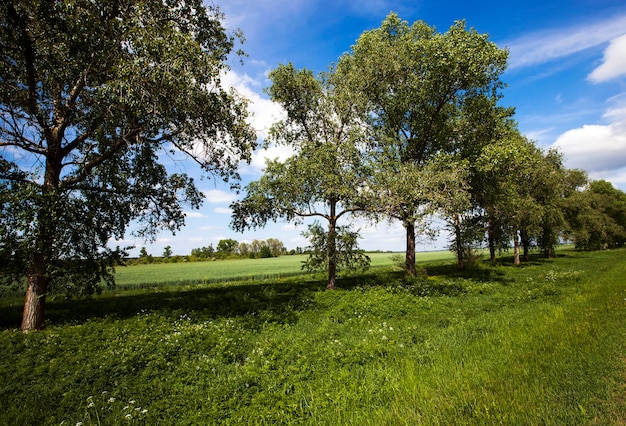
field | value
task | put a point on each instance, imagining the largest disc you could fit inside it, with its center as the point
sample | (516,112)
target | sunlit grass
(237,269)
(539,344)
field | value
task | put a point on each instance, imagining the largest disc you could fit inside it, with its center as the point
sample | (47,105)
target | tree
(203,252)
(346,254)
(413,83)
(597,216)
(481,122)
(552,184)
(243,249)
(167,252)
(93,95)
(265,252)
(327,177)
(227,247)
(276,246)
(509,166)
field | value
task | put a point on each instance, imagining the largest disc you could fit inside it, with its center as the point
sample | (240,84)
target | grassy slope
(541,344)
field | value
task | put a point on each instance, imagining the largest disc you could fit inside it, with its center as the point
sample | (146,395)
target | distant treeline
(225,249)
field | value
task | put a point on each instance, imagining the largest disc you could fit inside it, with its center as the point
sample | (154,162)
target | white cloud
(614,64)
(616,177)
(264,111)
(222,210)
(210,228)
(193,214)
(264,114)
(594,147)
(544,46)
(272,152)
(599,149)
(216,196)
(539,135)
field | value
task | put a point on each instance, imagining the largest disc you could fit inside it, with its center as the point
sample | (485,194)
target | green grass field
(544,343)
(237,269)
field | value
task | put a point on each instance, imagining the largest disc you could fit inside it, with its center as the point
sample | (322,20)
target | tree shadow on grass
(275,302)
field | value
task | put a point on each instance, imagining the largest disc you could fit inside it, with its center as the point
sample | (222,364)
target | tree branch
(87,168)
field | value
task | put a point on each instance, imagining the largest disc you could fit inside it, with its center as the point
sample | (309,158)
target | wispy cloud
(222,210)
(264,114)
(264,111)
(599,148)
(544,46)
(216,196)
(614,64)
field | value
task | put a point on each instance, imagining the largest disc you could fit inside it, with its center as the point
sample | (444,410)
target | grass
(164,274)
(539,344)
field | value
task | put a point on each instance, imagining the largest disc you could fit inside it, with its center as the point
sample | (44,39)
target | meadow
(206,272)
(544,343)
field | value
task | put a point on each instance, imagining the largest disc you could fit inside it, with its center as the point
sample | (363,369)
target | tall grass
(540,344)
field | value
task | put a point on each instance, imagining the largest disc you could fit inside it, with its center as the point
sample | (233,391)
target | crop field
(544,343)
(138,276)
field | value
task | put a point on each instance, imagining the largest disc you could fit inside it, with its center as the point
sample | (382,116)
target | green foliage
(229,249)
(93,94)
(597,216)
(226,248)
(414,86)
(327,176)
(265,252)
(203,252)
(540,344)
(347,254)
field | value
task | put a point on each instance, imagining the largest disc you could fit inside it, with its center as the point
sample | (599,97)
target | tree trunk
(47,217)
(492,241)
(525,244)
(37,284)
(458,241)
(410,247)
(516,260)
(332,248)
(35,302)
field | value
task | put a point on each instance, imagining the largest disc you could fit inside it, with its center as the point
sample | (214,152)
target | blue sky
(566,78)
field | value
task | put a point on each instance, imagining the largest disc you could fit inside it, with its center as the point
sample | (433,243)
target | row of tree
(226,249)
(96,96)
(408,126)
(229,248)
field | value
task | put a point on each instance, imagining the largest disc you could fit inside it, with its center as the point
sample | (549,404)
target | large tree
(596,216)
(510,167)
(413,83)
(551,185)
(94,96)
(327,176)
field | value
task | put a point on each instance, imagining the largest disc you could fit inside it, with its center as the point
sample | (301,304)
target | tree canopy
(413,84)
(326,178)
(596,216)
(94,96)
